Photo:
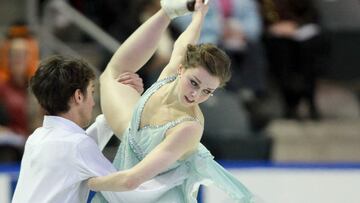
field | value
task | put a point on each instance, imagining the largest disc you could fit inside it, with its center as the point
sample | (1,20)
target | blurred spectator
(11,144)
(242,28)
(295,50)
(211,31)
(18,31)
(18,59)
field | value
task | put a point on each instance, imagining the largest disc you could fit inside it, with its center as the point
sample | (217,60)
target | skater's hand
(202,6)
(133,80)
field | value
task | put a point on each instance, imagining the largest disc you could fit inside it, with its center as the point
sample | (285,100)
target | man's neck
(71,115)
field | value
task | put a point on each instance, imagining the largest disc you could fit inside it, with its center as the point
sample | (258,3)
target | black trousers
(296,66)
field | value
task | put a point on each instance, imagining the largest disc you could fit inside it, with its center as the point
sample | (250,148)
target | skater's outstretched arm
(189,36)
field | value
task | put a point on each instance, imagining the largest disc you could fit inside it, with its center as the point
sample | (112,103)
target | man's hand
(133,80)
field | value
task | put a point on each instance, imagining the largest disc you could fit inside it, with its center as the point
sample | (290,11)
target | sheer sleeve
(209,172)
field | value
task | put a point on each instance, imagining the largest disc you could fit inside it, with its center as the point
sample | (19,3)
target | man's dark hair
(56,80)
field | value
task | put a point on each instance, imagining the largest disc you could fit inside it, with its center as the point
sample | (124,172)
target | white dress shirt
(58,159)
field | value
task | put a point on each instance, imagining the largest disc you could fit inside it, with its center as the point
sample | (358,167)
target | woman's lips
(188,100)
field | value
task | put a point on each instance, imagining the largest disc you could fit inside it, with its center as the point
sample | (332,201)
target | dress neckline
(156,86)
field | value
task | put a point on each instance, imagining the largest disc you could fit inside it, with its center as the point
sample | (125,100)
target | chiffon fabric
(180,182)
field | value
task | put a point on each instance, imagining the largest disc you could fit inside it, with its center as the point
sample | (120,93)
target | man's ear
(78,96)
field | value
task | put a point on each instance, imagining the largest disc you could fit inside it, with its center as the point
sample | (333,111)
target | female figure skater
(162,140)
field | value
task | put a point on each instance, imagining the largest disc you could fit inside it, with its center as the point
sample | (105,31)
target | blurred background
(293,99)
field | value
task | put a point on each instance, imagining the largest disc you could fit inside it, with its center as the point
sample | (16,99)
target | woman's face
(196,85)
(18,60)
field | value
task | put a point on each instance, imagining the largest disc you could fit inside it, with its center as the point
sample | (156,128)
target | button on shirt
(58,159)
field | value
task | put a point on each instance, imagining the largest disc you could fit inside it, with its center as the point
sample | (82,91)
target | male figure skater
(60,157)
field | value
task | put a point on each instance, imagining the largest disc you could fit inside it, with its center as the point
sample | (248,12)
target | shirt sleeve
(90,161)
(100,131)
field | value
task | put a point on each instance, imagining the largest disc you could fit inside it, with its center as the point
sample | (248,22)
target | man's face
(88,105)
(18,59)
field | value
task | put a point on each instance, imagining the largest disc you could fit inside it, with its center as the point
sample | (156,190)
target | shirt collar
(60,122)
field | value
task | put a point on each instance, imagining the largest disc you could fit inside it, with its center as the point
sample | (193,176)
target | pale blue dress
(180,182)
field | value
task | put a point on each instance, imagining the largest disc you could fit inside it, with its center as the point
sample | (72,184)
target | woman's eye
(193,83)
(207,92)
